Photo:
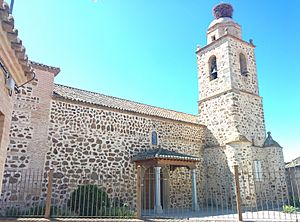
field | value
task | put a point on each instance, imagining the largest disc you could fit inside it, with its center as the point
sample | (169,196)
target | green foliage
(123,212)
(32,211)
(289,209)
(294,201)
(90,200)
(85,200)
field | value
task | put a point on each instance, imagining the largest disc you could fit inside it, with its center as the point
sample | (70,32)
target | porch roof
(160,153)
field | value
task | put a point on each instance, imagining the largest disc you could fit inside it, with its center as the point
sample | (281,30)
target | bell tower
(229,102)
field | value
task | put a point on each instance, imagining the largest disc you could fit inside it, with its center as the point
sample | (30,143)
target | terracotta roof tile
(80,95)
(293,163)
(8,25)
(160,153)
(52,69)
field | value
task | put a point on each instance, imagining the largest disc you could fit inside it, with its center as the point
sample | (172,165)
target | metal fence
(31,193)
(23,193)
(239,194)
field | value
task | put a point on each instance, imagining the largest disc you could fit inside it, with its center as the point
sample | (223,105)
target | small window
(243,65)
(154,138)
(258,170)
(213,70)
(213,38)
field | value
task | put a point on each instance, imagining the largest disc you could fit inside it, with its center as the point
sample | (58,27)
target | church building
(75,131)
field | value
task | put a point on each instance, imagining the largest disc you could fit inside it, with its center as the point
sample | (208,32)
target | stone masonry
(101,141)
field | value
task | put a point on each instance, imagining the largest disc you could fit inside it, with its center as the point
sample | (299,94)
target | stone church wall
(247,83)
(230,105)
(233,114)
(81,140)
(272,186)
(219,182)
(207,87)
(86,139)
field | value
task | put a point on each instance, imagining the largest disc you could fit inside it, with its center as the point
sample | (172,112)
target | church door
(148,195)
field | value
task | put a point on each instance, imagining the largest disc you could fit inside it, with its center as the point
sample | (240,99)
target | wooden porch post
(139,193)
(238,193)
(49,194)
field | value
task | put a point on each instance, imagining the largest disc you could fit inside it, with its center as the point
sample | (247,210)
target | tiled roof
(293,163)
(52,69)
(8,25)
(80,95)
(160,153)
(269,142)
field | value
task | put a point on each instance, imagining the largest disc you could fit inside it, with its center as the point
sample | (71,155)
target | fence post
(49,194)
(138,193)
(238,192)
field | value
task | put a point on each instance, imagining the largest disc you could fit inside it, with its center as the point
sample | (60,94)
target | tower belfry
(229,101)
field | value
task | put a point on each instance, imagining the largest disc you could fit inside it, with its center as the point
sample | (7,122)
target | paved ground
(259,216)
(225,215)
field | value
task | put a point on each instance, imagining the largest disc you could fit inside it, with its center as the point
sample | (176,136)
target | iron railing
(39,194)
(227,195)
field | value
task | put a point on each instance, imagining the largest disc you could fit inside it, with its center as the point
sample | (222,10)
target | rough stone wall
(227,52)
(180,193)
(30,120)
(248,117)
(6,103)
(220,162)
(273,186)
(234,114)
(94,139)
(218,183)
(207,87)
(230,105)
(247,83)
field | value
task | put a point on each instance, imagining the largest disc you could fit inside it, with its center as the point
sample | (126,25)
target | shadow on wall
(218,182)
(209,139)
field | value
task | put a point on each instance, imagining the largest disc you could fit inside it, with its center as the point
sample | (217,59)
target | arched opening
(243,65)
(213,69)
(154,138)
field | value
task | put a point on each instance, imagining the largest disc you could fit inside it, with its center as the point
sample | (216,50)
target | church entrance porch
(166,180)
(148,192)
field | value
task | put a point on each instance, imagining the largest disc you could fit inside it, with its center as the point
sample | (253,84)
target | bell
(214,72)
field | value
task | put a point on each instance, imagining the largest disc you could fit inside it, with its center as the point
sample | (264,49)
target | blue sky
(144,50)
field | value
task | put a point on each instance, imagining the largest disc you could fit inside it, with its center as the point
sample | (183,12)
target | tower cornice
(221,38)
(228,91)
